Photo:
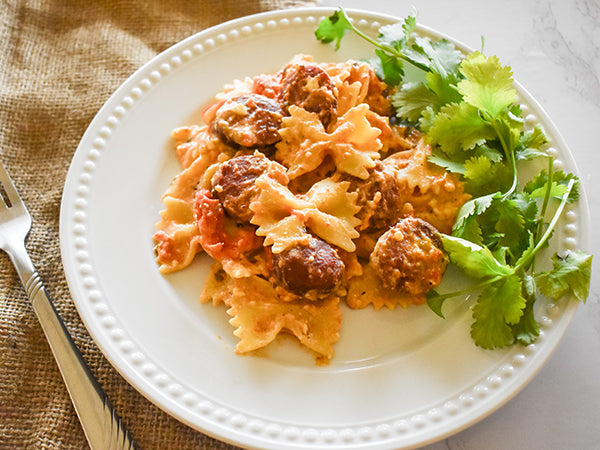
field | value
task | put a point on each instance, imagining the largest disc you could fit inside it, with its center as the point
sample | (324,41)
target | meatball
(309,87)
(314,265)
(233,184)
(409,257)
(251,120)
(379,196)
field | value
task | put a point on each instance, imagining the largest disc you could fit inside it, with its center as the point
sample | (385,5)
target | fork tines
(8,193)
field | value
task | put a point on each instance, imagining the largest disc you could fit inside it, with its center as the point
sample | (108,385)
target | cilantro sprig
(396,47)
(466,105)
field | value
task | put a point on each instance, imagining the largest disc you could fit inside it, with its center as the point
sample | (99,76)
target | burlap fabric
(60,60)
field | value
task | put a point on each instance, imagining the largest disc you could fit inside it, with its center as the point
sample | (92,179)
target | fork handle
(101,424)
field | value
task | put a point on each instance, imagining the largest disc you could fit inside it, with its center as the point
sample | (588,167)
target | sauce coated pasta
(307,194)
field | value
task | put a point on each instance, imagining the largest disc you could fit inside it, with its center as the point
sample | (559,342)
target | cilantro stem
(368,38)
(526,260)
(515,182)
(545,203)
(508,148)
(547,193)
(386,48)
(470,289)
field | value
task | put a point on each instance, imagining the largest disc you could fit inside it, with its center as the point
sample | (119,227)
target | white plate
(399,378)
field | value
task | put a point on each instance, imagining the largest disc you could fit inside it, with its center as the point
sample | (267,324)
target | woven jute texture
(60,60)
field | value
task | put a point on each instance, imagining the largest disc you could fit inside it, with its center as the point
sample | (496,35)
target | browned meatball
(409,257)
(311,88)
(379,197)
(233,184)
(311,266)
(251,120)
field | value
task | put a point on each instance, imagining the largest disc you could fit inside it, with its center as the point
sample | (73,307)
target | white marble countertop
(553,47)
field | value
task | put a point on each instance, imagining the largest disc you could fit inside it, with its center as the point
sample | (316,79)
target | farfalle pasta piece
(215,286)
(350,92)
(332,216)
(303,143)
(356,142)
(276,214)
(236,88)
(356,83)
(190,143)
(260,317)
(327,209)
(284,233)
(353,143)
(393,137)
(177,239)
(429,192)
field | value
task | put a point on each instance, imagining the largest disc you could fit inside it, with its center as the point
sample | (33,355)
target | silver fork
(102,426)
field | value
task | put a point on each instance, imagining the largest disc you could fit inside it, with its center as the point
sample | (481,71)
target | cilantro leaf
(450,166)
(474,260)
(483,176)
(470,230)
(534,138)
(537,186)
(443,87)
(489,151)
(527,206)
(570,275)
(397,35)
(435,302)
(440,56)
(412,99)
(508,130)
(333,28)
(503,224)
(512,226)
(527,154)
(527,329)
(498,307)
(426,119)
(459,127)
(391,67)
(529,144)
(488,85)
(473,207)
(556,190)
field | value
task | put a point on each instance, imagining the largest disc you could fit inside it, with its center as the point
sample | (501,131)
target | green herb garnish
(466,107)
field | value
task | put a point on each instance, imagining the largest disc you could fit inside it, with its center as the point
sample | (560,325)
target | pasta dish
(307,194)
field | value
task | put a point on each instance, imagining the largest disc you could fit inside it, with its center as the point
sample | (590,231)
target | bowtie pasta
(307,194)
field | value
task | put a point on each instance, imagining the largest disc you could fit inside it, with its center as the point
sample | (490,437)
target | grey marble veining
(569,35)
